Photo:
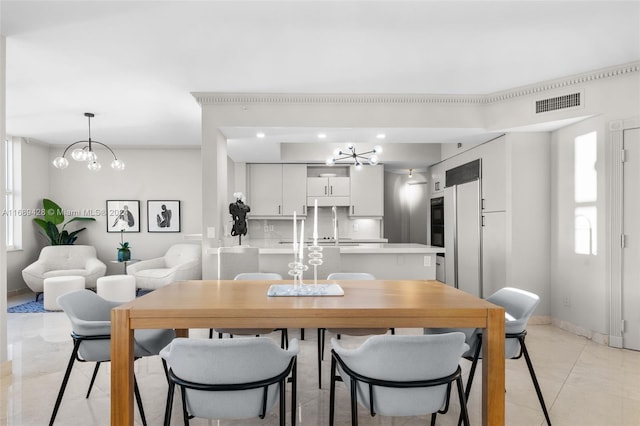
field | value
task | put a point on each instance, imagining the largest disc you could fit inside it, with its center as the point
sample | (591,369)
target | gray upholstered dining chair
(345,331)
(230,378)
(518,305)
(90,317)
(400,375)
(284,336)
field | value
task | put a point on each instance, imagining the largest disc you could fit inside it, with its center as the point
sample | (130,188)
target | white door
(631,253)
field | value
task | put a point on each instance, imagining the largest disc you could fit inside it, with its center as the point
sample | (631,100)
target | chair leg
(472,372)
(166,370)
(433,418)
(185,415)
(464,414)
(74,353)
(284,338)
(136,392)
(38,295)
(294,392)
(211,333)
(332,392)
(168,408)
(354,403)
(320,350)
(282,402)
(302,334)
(534,379)
(93,379)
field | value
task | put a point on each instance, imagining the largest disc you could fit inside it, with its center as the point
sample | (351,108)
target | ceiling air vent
(559,102)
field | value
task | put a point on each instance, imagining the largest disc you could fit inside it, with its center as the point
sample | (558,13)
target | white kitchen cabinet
(294,189)
(437,181)
(367,191)
(329,191)
(277,189)
(494,175)
(337,186)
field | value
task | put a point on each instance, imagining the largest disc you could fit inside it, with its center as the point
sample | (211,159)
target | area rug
(28,308)
(33,307)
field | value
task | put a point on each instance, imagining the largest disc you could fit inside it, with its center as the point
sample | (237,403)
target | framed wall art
(163,215)
(123,216)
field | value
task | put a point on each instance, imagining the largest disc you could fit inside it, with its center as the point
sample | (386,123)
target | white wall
(35,168)
(5,367)
(579,281)
(528,220)
(151,174)
(406,208)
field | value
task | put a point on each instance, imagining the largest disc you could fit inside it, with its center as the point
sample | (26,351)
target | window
(586,194)
(12,194)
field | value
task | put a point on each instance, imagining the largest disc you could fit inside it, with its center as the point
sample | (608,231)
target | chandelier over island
(86,153)
(355,157)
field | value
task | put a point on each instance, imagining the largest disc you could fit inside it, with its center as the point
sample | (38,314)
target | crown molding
(577,79)
(215,98)
(205,98)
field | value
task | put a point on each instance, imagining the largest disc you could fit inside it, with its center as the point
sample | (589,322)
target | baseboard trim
(5,369)
(540,320)
(600,338)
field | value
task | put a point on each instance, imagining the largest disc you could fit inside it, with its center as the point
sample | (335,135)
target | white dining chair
(284,336)
(400,375)
(345,331)
(237,379)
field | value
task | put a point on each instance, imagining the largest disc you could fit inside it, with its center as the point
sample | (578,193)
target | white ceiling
(135,64)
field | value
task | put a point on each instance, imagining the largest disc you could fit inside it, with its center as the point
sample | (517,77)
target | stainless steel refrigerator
(463,230)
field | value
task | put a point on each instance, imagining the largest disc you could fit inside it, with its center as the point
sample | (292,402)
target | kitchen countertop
(362,248)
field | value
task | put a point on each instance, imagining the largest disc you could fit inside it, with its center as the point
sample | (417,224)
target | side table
(125,262)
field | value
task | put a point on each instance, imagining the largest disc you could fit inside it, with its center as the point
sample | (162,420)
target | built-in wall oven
(437,234)
(437,222)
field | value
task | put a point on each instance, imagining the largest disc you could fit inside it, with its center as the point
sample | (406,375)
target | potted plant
(124,253)
(54,216)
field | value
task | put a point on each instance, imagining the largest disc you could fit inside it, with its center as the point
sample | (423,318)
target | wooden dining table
(365,304)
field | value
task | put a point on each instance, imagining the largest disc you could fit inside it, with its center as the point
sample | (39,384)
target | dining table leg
(121,368)
(493,384)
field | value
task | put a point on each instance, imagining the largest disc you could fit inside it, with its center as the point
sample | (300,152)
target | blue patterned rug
(33,307)
(28,307)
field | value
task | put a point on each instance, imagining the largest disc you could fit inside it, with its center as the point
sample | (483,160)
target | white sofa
(181,262)
(56,261)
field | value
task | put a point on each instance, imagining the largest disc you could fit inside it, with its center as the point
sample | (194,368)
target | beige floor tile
(583,383)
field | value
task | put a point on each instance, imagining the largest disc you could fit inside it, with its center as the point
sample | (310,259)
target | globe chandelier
(357,159)
(86,153)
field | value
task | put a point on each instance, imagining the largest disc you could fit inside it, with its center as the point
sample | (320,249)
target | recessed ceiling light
(322,135)
(260,135)
(381,136)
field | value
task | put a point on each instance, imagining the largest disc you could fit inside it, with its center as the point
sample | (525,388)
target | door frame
(615,213)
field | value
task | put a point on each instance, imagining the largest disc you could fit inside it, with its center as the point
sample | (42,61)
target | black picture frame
(123,216)
(163,215)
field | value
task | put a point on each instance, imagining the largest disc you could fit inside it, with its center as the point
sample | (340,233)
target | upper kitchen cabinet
(494,175)
(367,191)
(277,190)
(328,190)
(437,181)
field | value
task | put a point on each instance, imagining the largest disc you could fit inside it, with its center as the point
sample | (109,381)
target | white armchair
(181,262)
(57,261)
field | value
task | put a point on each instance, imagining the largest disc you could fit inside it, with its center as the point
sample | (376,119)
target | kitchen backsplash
(282,229)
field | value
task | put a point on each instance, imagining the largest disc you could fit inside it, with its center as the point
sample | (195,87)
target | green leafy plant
(124,252)
(54,216)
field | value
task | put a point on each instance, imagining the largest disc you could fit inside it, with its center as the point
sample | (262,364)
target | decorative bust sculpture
(239,212)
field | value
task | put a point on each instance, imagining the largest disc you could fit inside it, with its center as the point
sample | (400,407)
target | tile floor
(583,383)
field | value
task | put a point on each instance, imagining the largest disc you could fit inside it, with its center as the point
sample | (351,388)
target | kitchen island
(383,260)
